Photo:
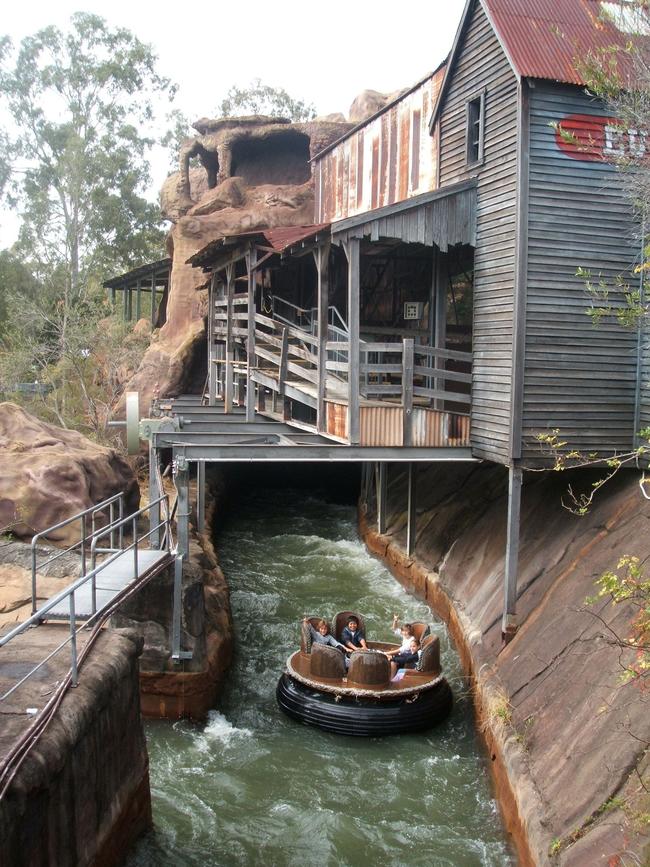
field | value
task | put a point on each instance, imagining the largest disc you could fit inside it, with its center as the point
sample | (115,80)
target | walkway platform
(115,578)
(208,434)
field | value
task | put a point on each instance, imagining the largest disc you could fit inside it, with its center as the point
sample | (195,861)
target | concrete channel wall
(82,794)
(566,739)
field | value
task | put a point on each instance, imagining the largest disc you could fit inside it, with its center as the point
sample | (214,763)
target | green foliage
(80,102)
(259,98)
(83,374)
(629,584)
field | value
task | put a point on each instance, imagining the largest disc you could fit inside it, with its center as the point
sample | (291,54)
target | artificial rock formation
(48,474)
(252,173)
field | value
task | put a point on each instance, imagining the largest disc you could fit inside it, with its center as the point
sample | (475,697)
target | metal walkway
(109,583)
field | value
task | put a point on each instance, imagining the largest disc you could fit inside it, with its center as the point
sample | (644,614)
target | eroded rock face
(48,474)
(254,174)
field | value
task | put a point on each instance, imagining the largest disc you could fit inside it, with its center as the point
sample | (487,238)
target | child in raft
(352,636)
(322,634)
(405,632)
(401,659)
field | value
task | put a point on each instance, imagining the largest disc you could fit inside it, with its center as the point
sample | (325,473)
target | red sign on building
(599,139)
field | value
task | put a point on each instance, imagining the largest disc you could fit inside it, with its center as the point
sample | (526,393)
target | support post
(230,349)
(411,521)
(408,360)
(251,261)
(354,313)
(212,368)
(181,478)
(154,493)
(113,298)
(153,300)
(200,496)
(381,481)
(322,258)
(284,362)
(138,300)
(509,621)
(440,325)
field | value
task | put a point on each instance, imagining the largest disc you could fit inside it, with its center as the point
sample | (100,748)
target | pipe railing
(68,592)
(92,512)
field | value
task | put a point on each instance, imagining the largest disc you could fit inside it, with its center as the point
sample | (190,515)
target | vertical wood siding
(578,378)
(480,65)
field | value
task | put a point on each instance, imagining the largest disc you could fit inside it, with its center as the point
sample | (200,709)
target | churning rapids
(252,787)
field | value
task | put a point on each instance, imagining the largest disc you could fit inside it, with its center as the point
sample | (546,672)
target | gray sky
(323,53)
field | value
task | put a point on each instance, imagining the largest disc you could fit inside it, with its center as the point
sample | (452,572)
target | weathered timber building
(433,310)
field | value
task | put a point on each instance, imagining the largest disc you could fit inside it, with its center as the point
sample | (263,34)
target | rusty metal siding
(389,168)
(482,65)
(381,425)
(579,378)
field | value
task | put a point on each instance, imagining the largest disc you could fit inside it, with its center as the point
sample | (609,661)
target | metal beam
(306,453)
(408,360)
(200,496)
(411,518)
(509,621)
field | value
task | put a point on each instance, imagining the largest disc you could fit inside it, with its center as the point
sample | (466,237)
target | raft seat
(341,620)
(327,662)
(429,663)
(368,669)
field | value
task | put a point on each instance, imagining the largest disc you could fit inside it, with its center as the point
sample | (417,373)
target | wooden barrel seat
(327,661)
(429,661)
(368,669)
(341,620)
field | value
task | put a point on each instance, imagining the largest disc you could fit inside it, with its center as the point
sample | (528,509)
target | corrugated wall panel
(393,154)
(482,64)
(578,378)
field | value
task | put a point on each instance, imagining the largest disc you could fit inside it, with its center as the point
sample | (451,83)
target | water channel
(252,787)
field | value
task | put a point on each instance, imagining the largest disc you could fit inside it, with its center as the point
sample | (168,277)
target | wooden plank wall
(578,378)
(482,65)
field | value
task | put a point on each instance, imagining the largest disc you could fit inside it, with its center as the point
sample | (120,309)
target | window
(475,129)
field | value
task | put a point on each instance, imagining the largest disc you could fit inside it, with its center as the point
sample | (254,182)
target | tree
(263,99)
(80,102)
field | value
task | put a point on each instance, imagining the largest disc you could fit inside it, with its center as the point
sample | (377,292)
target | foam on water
(252,787)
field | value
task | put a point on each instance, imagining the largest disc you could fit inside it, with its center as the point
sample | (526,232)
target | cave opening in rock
(279,158)
(210,163)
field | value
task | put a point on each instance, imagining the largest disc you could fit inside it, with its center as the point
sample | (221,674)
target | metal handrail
(69,591)
(80,516)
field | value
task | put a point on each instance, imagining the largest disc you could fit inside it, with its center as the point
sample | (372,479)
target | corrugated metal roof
(546,38)
(279,239)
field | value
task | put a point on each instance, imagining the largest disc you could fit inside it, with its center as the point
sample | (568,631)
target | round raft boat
(316,688)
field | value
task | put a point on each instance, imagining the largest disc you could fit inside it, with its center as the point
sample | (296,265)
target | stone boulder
(48,474)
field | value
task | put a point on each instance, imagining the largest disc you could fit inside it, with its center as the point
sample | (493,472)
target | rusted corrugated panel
(436,429)
(381,425)
(546,38)
(337,419)
(393,158)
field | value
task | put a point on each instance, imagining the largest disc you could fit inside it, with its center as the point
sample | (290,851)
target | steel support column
(212,369)
(138,300)
(154,493)
(411,520)
(200,496)
(381,482)
(181,480)
(153,300)
(509,621)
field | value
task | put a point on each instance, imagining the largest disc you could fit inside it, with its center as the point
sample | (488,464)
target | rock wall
(82,795)
(189,688)
(567,739)
(48,474)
